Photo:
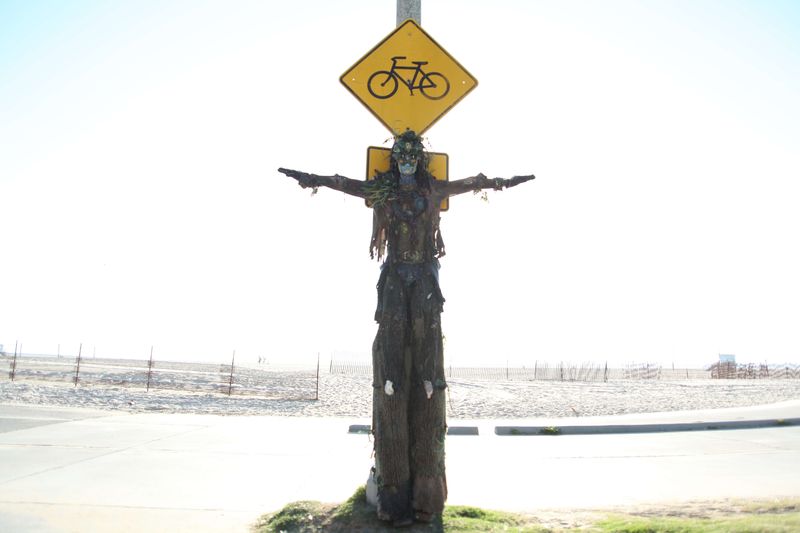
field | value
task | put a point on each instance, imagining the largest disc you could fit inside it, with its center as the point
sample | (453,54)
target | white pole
(409,9)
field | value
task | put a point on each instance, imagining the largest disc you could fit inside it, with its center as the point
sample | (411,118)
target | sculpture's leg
(391,363)
(427,409)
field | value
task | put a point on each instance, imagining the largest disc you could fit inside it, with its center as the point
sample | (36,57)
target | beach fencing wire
(587,371)
(350,368)
(538,371)
(642,371)
(674,374)
(542,371)
(42,367)
(785,372)
(273,381)
(730,370)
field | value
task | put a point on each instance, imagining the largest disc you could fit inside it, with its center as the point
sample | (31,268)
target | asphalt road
(83,470)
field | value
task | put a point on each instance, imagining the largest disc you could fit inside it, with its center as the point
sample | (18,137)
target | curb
(530,431)
(610,429)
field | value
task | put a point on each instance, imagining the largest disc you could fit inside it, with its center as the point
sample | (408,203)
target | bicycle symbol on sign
(383,84)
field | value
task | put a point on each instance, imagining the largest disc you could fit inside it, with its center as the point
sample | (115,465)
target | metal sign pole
(409,9)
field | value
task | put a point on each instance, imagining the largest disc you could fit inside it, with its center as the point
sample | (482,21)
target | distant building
(727,358)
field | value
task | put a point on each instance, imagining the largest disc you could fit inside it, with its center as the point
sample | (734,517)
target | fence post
(230,383)
(316,394)
(605,373)
(150,369)
(506,369)
(14,363)
(78,364)
(562,370)
(535,367)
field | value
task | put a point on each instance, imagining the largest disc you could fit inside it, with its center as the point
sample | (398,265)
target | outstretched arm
(479,182)
(336,182)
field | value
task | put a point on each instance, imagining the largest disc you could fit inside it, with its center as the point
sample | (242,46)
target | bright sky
(141,206)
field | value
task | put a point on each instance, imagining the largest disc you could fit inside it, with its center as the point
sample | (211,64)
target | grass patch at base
(460,518)
(763,523)
(356,516)
(298,516)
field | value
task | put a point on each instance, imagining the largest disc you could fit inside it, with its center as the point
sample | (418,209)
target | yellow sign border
(400,28)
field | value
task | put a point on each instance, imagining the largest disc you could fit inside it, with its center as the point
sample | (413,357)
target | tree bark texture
(409,393)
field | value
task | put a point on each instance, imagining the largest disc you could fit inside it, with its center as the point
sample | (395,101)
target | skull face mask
(407,152)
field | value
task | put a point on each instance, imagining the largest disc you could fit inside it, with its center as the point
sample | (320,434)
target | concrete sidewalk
(83,470)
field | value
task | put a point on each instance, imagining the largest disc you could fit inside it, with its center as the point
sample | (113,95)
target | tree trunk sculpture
(408,365)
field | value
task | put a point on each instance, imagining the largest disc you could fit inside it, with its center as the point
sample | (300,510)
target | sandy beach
(351,396)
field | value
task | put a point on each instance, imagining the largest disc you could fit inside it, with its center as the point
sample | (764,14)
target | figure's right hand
(303,179)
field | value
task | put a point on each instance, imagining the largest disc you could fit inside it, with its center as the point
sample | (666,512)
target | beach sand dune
(351,396)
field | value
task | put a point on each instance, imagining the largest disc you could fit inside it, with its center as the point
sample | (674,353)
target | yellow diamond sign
(408,81)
